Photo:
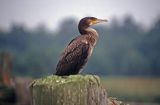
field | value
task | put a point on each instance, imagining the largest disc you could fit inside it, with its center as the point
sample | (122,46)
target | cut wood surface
(68,90)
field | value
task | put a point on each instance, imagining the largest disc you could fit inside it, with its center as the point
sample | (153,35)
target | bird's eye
(90,21)
(93,19)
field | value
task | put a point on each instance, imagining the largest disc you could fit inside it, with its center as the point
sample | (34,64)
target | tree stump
(68,90)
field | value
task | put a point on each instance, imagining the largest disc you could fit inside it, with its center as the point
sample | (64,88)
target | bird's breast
(90,51)
(84,41)
(92,40)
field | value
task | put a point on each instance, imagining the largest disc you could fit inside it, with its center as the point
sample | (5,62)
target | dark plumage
(79,49)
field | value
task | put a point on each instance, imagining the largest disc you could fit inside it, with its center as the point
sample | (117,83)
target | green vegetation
(124,48)
(138,89)
(54,80)
(68,90)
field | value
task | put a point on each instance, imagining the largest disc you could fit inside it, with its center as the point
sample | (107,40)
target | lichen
(67,90)
(54,80)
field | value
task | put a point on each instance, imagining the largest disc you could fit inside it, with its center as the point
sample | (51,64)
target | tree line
(124,48)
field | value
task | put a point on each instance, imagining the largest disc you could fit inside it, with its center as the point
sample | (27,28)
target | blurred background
(33,34)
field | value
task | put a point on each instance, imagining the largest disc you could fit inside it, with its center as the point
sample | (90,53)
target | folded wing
(73,59)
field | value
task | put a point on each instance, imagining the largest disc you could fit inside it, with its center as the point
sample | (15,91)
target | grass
(142,89)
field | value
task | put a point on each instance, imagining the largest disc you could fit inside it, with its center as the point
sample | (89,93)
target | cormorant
(78,51)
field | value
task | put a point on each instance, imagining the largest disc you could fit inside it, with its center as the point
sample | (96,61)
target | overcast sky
(51,12)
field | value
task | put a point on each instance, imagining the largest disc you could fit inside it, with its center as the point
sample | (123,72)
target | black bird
(78,51)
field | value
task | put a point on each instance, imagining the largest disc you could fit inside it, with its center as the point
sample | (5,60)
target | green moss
(66,90)
(55,80)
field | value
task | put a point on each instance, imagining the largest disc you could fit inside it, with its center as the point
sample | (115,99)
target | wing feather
(73,58)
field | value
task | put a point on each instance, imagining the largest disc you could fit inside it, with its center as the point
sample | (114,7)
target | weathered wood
(69,90)
(5,69)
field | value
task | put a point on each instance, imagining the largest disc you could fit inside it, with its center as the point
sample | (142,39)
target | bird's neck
(87,31)
(91,34)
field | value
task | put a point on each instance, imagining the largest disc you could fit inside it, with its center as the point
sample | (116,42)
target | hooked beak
(98,21)
(101,20)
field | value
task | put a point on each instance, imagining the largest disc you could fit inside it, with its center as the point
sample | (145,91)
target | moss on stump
(68,90)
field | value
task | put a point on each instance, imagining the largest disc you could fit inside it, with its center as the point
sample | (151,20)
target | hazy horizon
(51,12)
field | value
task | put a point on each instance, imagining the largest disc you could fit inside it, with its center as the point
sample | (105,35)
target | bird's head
(89,21)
